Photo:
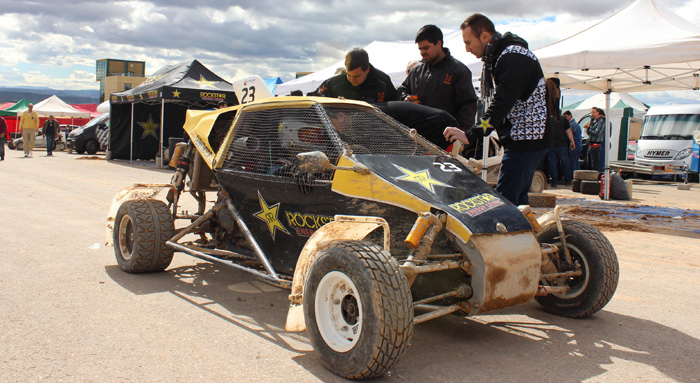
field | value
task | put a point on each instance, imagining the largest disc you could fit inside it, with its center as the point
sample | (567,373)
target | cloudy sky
(55,43)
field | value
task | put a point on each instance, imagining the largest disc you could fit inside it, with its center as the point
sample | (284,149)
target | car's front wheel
(20,145)
(594,261)
(141,230)
(358,309)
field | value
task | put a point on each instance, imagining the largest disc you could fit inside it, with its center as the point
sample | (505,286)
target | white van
(666,142)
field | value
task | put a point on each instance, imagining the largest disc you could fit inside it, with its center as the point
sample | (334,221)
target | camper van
(666,142)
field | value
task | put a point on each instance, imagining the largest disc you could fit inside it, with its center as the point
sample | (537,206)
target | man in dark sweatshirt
(361,81)
(518,109)
(440,80)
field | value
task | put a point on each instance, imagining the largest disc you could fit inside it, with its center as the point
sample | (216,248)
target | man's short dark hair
(567,113)
(356,58)
(478,24)
(600,111)
(222,104)
(429,32)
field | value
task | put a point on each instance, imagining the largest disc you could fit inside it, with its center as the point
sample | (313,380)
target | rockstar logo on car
(268,214)
(149,127)
(422,178)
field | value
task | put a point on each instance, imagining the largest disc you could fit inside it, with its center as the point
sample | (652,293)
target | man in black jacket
(518,109)
(439,80)
(361,81)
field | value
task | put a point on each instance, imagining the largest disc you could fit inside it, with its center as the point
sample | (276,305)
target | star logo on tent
(176,93)
(204,83)
(268,214)
(149,127)
(422,178)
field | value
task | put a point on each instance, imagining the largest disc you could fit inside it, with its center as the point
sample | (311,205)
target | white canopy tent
(58,108)
(641,48)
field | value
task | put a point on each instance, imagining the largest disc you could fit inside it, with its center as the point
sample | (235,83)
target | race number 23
(248,94)
(447,167)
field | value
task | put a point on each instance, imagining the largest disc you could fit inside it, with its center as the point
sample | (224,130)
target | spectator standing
(518,110)
(360,81)
(578,144)
(596,139)
(439,80)
(51,129)
(3,137)
(558,156)
(29,123)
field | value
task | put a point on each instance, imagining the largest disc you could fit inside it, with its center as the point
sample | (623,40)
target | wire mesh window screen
(369,131)
(266,141)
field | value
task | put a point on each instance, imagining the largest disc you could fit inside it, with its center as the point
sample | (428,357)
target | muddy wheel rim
(338,311)
(126,237)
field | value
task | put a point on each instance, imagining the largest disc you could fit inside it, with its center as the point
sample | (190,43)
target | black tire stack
(586,182)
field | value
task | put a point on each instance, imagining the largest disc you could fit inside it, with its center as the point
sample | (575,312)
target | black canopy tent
(142,119)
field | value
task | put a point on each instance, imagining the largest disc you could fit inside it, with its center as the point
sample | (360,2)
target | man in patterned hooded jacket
(517,110)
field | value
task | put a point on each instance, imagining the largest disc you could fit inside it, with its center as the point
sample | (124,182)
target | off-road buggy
(373,228)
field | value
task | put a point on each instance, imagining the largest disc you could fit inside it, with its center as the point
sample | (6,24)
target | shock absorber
(183,157)
(420,240)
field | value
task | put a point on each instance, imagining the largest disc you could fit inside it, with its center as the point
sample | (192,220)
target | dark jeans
(573,161)
(50,142)
(596,159)
(517,170)
(559,155)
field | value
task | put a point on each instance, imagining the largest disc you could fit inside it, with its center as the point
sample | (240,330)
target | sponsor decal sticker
(420,177)
(268,214)
(477,205)
(306,224)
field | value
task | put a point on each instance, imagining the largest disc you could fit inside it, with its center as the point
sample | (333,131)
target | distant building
(119,75)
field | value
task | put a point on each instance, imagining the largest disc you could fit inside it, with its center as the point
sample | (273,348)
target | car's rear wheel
(92,147)
(358,309)
(20,145)
(60,146)
(141,230)
(591,254)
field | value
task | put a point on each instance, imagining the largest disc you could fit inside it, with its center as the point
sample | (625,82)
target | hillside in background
(36,94)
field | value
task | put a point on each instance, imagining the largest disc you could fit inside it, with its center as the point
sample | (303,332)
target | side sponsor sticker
(477,205)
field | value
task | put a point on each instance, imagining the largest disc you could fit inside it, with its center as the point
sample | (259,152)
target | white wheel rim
(338,311)
(585,279)
(126,237)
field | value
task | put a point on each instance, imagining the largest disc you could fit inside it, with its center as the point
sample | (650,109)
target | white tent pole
(131,145)
(606,190)
(162,115)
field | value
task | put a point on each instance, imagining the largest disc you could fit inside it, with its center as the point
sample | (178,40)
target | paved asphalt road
(68,314)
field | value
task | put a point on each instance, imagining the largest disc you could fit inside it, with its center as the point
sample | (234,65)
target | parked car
(91,137)
(60,144)
(373,228)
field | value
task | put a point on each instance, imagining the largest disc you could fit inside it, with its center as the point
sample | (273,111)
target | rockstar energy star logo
(268,214)
(477,205)
(306,224)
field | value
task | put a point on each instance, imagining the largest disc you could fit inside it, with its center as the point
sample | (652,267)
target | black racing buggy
(373,228)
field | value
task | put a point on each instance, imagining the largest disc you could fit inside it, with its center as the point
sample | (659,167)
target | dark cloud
(252,36)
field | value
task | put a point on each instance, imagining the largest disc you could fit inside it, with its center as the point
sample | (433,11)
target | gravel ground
(68,314)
